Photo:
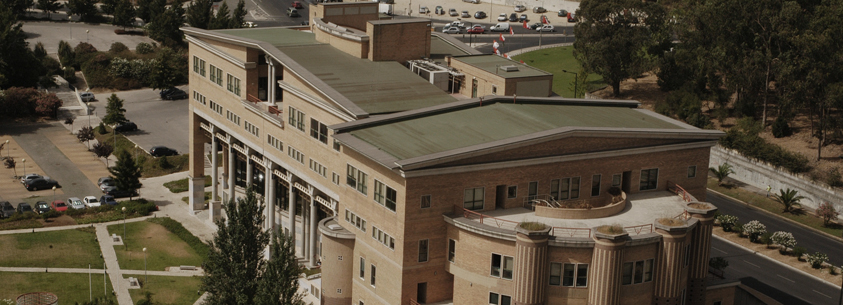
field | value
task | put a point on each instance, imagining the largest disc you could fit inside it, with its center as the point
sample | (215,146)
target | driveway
(101,36)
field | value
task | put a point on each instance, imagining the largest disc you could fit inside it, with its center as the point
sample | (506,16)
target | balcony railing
(673,187)
(265,109)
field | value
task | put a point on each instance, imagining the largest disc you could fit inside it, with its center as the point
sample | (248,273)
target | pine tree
(124,14)
(49,6)
(166,27)
(281,268)
(238,17)
(126,172)
(109,6)
(199,13)
(222,19)
(115,113)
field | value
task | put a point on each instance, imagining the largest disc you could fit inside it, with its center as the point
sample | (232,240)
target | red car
(476,30)
(59,206)
(296,5)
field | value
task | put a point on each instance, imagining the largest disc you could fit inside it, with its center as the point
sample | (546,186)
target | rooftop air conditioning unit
(509,68)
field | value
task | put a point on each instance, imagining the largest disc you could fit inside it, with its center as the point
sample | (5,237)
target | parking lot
(401,7)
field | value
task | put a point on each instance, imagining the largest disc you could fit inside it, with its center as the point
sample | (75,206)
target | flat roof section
(434,133)
(375,87)
(492,64)
(275,36)
(439,48)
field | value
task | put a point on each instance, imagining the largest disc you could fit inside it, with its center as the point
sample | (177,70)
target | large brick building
(411,179)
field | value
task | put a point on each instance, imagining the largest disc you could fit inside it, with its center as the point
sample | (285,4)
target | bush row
(757,232)
(744,138)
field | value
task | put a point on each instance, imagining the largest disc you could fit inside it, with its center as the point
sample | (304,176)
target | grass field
(164,249)
(68,287)
(54,249)
(150,167)
(168,289)
(178,186)
(554,60)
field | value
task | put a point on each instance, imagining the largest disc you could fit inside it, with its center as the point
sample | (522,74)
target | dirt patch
(644,89)
(699,206)
(62,220)
(158,232)
(774,254)
(671,222)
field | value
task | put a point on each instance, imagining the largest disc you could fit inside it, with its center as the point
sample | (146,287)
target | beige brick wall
(487,80)
(354,48)
(725,295)
(346,14)
(335,272)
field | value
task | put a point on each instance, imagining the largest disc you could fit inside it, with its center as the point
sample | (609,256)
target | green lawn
(554,60)
(150,167)
(181,185)
(164,249)
(54,249)
(68,287)
(774,207)
(168,289)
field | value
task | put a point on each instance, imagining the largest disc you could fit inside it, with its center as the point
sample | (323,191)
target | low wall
(566,213)
(761,174)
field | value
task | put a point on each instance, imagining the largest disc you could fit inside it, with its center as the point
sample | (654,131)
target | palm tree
(721,172)
(788,198)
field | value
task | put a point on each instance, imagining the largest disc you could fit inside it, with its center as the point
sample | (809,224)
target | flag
(525,26)
(501,35)
(495,45)
(513,33)
(544,20)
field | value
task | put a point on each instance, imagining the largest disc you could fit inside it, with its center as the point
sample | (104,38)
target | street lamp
(89,113)
(576,80)
(24,166)
(54,193)
(86,35)
(145,276)
(7,149)
(70,19)
(126,247)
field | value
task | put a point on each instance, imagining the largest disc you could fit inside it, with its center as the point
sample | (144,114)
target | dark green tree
(126,172)
(164,73)
(18,65)
(114,111)
(109,6)
(222,19)
(165,29)
(199,13)
(124,14)
(238,16)
(49,6)
(143,10)
(615,38)
(39,50)
(18,7)
(86,9)
(281,268)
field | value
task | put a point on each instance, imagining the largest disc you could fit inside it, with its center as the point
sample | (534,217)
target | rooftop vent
(334,227)
(509,68)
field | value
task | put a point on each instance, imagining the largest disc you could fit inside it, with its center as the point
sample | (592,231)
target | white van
(500,27)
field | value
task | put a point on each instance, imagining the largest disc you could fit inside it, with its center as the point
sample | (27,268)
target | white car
(450,29)
(250,24)
(91,201)
(546,28)
(520,8)
(75,203)
(453,12)
(424,10)
(502,17)
(87,96)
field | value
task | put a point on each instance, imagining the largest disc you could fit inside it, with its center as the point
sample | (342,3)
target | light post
(136,152)
(576,81)
(7,149)
(86,35)
(24,166)
(145,276)
(54,193)
(126,247)
(69,20)
(89,113)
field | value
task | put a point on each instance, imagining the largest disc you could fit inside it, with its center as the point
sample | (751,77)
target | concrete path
(171,205)
(136,219)
(110,257)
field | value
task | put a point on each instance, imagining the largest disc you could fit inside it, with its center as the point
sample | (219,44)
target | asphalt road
(483,42)
(773,279)
(269,13)
(160,122)
(806,238)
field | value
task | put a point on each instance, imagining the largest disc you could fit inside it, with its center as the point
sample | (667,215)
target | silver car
(87,96)
(75,203)
(29,177)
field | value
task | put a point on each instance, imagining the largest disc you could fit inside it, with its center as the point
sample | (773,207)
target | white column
(305,245)
(292,212)
(270,75)
(231,160)
(269,195)
(313,213)
(248,168)
(214,168)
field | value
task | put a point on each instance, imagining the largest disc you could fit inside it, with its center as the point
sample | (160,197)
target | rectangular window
(502,266)
(512,191)
(232,117)
(356,221)
(195,64)
(296,119)
(692,171)
(383,238)
(318,168)
(554,188)
(216,75)
(473,199)
(626,279)
(216,108)
(533,189)
(499,299)
(638,273)
(595,185)
(336,145)
(335,178)
(233,84)
(199,66)
(385,195)
(254,130)
(575,188)
(582,275)
(649,179)
(423,250)
(616,180)
(565,189)
(508,264)
(356,179)
(362,268)
(318,131)
(295,154)
(568,274)
(555,274)
(648,270)
(274,142)
(452,250)
(573,275)
(199,98)
(374,271)
(425,201)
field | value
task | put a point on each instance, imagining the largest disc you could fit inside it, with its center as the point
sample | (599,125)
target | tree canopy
(115,113)
(126,172)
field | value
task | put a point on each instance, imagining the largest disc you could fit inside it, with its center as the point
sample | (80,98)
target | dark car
(513,17)
(24,207)
(292,12)
(536,25)
(108,199)
(480,15)
(124,127)
(102,180)
(160,151)
(164,92)
(42,207)
(114,192)
(174,94)
(562,13)
(40,184)
(6,209)
(523,18)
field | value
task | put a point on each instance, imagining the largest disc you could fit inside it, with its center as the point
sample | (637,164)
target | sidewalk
(110,257)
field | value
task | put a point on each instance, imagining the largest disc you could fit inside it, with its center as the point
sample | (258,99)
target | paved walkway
(110,257)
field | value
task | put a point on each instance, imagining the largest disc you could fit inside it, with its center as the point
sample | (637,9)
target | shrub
(164,162)
(833,178)
(727,222)
(798,252)
(780,128)
(766,239)
(718,263)
(68,121)
(614,191)
(754,229)
(144,48)
(70,74)
(738,228)
(783,239)
(744,138)
(817,259)
(832,270)
(102,150)
(827,212)
(101,128)
(117,47)
(51,214)
(46,81)
(47,104)
(532,225)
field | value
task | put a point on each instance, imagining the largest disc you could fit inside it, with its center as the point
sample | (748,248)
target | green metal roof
(434,133)
(376,87)
(439,48)
(491,64)
(276,36)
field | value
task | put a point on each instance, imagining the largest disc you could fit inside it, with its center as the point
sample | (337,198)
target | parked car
(102,180)
(453,12)
(174,94)
(477,29)
(164,92)
(480,15)
(28,177)
(500,27)
(292,12)
(24,207)
(450,29)
(7,210)
(42,207)
(562,13)
(296,5)
(424,10)
(520,8)
(458,24)
(40,184)
(539,9)
(106,184)
(91,201)
(472,1)
(59,206)
(513,17)
(124,127)
(465,14)
(118,193)
(572,17)
(249,24)
(546,28)
(87,96)
(439,10)
(502,17)
(523,18)
(75,203)
(160,151)
(535,25)
(108,199)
